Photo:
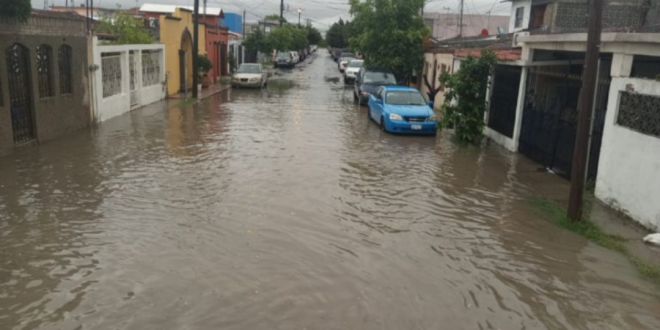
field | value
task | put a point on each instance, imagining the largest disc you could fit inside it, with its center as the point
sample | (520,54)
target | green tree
(288,37)
(275,17)
(257,42)
(19,9)
(126,29)
(389,33)
(465,102)
(339,33)
(314,37)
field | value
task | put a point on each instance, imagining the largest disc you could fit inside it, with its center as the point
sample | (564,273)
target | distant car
(400,109)
(284,60)
(250,75)
(352,69)
(343,61)
(296,57)
(368,81)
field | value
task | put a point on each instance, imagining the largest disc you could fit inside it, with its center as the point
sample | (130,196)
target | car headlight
(363,93)
(433,118)
(394,116)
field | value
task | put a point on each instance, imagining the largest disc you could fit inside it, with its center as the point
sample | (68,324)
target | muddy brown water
(288,209)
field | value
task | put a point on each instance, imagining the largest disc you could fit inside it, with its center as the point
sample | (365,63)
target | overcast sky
(321,12)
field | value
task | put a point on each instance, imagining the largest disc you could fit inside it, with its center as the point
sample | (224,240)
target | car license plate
(416,127)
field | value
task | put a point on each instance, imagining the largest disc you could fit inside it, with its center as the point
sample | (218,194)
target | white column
(519,108)
(621,65)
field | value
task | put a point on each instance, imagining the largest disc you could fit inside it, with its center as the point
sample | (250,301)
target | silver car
(351,71)
(250,75)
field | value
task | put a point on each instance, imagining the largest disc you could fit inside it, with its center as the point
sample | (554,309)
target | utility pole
(244,32)
(282,12)
(195,49)
(460,21)
(586,104)
(299,13)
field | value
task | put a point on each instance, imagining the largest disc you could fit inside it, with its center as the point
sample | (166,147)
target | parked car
(352,69)
(250,75)
(284,60)
(400,109)
(296,57)
(368,81)
(337,53)
(344,58)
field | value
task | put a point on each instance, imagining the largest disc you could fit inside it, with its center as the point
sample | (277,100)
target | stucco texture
(176,33)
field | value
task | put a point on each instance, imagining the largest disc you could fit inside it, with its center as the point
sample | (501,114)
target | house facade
(43,78)
(446,26)
(173,27)
(540,122)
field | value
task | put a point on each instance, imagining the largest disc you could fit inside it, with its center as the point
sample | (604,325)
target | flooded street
(288,209)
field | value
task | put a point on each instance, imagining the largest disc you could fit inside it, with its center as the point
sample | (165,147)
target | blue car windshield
(379,78)
(405,98)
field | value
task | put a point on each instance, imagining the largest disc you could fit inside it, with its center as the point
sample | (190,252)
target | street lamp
(299,13)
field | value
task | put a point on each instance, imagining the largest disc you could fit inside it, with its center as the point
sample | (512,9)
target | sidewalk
(213,89)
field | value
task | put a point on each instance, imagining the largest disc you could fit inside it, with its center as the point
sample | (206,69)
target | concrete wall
(527,4)
(115,105)
(438,59)
(445,26)
(628,177)
(61,113)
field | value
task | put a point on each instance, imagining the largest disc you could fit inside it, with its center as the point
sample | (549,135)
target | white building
(126,77)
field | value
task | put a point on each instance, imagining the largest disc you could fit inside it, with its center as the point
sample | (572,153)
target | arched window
(45,70)
(65,63)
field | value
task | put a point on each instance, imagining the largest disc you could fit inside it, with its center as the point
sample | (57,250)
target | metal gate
(550,115)
(18,67)
(133,69)
(504,101)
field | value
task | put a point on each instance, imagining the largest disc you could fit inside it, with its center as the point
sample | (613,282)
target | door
(223,59)
(20,98)
(182,71)
(132,64)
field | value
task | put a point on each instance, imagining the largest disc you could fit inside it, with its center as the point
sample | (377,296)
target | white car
(296,57)
(352,69)
(250,75)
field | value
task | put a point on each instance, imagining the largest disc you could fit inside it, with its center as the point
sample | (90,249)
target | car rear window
(379,78)
(355,64)
(405,98)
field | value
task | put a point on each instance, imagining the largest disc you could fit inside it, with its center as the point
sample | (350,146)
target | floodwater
(288,209)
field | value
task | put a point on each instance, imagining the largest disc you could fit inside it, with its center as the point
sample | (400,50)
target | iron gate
(504,101)
(183,87)
(18,67)
(550,116)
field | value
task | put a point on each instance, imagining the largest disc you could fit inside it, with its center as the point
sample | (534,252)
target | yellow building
(176,34)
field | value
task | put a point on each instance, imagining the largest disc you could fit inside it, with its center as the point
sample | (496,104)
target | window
(429,23)
(405,98)
(520,13)
(64,60)
(44,70)
(111,74)
(640,113)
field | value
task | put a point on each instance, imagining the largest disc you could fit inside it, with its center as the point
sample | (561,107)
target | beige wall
(438,60)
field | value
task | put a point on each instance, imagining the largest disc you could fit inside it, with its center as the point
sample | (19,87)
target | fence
(128,76)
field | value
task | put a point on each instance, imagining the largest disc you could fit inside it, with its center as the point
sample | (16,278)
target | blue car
(399,109)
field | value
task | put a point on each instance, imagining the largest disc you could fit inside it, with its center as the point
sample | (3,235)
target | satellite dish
(500,30)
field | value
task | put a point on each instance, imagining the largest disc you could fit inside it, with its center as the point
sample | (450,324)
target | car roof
(400,88)
(376,70)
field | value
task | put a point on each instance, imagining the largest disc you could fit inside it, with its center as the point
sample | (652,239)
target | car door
(380,96)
